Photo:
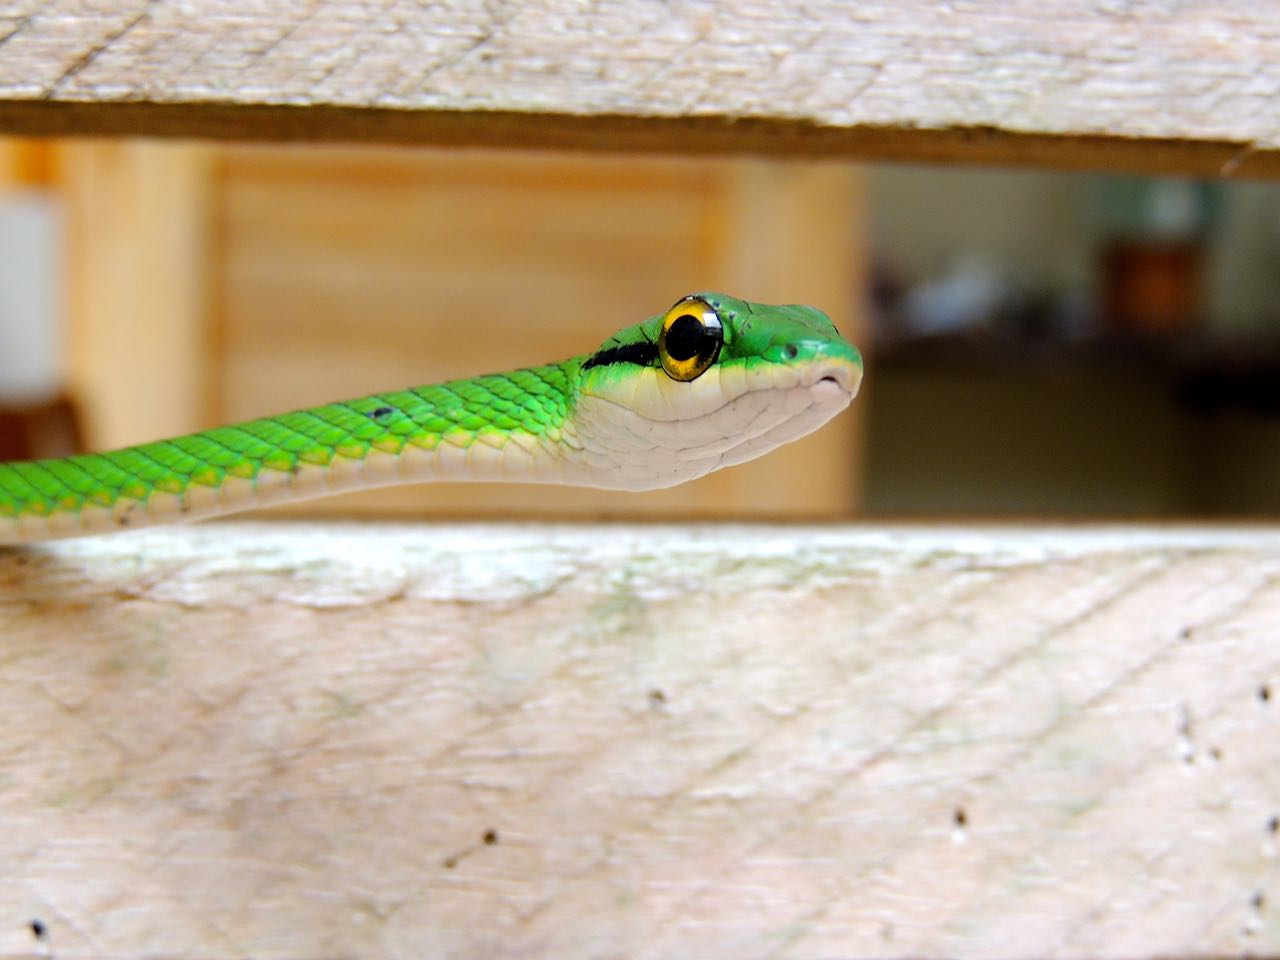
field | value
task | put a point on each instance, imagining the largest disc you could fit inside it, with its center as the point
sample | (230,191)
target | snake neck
(515,426)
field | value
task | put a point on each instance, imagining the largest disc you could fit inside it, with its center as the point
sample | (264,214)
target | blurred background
(1037,344)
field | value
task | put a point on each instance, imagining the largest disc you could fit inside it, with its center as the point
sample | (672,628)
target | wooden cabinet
(218,283)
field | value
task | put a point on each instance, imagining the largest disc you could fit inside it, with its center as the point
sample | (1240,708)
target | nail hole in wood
(1186,745)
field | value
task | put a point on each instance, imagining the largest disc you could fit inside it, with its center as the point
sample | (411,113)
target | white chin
(821,401)
(623,450)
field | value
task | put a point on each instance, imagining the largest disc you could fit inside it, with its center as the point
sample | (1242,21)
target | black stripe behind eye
(643,354)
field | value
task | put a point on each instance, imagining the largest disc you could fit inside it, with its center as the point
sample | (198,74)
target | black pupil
(685,337)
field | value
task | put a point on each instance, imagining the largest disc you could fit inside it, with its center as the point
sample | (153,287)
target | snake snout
(830,365)
(837,376)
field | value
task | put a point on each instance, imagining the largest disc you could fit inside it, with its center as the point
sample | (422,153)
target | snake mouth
(832,379)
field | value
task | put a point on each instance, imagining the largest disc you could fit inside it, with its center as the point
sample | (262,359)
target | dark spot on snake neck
(381,413)
(490,837)
(38,929)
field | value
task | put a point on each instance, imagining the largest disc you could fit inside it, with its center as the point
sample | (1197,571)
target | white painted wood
(1193,84)
(741,742)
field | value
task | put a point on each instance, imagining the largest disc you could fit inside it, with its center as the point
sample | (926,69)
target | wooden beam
(795,233)
(138,228)
(1187,88)
(781,742)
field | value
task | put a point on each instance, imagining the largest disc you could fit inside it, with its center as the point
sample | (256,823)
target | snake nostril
(791,351)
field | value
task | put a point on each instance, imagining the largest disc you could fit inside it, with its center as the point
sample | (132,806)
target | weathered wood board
(531,741)
(1187,87)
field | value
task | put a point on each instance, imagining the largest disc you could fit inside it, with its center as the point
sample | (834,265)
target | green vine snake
(713,382)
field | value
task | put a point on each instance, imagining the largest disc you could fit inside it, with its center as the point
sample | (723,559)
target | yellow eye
(690,339)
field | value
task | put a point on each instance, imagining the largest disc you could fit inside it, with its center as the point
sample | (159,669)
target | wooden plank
(1187,87)
(782,742)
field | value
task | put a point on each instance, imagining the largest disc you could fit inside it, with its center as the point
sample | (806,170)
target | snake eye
(690,339)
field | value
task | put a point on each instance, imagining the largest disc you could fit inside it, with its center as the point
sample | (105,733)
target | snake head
(712,382)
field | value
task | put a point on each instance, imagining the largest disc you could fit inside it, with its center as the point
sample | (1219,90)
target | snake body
(712,382)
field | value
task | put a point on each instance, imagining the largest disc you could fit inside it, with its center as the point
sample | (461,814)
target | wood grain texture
(1185,87)
(517,741)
